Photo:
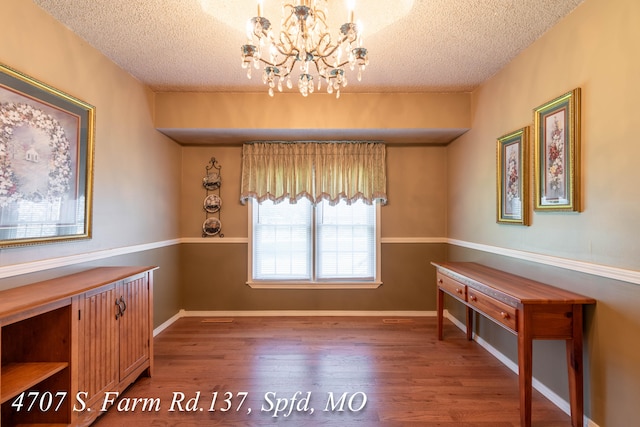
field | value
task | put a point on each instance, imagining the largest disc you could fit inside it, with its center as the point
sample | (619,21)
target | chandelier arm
(271,64)
(286,59)
(281,46)
(292,52)
(335,46)
(289,14)
(342,64)
(318,68)
(320,15)
(323,53)
(282,76)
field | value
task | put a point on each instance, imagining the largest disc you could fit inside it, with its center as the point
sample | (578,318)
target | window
(311,243)
(300,245)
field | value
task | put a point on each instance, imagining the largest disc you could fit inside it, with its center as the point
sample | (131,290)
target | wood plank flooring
(406,375)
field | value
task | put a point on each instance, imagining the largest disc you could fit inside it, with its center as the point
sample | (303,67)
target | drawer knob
(439,280)
(473,298)
(458,290)
(504,315)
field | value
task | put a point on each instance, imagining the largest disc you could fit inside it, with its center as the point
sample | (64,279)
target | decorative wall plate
(212,203)
(211,226)
(211,181)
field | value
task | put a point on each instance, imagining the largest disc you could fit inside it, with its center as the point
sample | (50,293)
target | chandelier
(304,41)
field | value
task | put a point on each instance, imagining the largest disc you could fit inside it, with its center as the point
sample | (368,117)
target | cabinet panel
(134,324)
(98,332)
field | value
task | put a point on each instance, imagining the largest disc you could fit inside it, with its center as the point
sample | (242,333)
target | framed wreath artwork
(557,153)
(46,162)
(512,154)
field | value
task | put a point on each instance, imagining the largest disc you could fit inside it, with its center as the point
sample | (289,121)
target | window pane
(346,241)
(282,240)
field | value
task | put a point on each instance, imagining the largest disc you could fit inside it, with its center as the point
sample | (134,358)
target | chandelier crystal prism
(304,43)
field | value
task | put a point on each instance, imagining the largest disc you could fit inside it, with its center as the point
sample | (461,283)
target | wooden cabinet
(83,334)
(529,309)
(115,340)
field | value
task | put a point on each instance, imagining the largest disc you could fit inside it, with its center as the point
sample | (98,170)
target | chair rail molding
(615,273)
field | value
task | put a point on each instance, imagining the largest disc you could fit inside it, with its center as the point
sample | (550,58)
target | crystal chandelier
(304,38)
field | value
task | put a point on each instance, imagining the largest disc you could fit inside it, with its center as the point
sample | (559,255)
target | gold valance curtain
(330,171)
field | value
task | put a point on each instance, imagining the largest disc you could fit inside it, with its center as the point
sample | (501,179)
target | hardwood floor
(406,375)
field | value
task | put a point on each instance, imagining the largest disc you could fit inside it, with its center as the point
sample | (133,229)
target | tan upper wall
(202,118)
(291,110)
(136,168)
(416,186)
(591,48)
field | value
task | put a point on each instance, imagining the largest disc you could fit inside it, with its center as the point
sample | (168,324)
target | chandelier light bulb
(305,38)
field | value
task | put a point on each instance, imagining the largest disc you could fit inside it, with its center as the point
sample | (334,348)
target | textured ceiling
(414,46)
(194,45)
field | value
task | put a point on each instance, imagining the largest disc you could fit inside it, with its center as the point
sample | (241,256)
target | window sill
(314,285)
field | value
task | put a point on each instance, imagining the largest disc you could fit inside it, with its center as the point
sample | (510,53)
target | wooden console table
(529,309)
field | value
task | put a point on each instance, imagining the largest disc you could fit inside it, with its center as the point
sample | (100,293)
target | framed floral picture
(46,162)
(512,154)
(557,153)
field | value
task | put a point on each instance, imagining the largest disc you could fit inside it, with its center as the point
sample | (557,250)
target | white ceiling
(433,45)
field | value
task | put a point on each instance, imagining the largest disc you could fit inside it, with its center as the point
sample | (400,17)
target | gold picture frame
(46,162)
(512,155)
(557,153)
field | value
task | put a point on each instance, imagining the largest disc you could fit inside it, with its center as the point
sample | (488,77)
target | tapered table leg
(525,366)
(574,365)
(440,308)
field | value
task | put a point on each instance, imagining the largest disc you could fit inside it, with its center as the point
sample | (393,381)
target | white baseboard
(168,323)
(307,313)
(289,313)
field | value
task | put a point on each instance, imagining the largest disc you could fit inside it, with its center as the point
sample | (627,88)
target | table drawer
(452,287)
(495,309)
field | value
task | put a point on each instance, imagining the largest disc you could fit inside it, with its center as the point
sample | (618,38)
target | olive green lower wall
(214,276)
(611,331)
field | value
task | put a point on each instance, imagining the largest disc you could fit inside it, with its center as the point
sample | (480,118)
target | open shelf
(19,377)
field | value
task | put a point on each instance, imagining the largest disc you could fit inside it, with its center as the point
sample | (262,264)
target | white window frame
(313,284)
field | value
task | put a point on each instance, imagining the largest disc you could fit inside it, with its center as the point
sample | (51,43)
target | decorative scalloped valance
(332,171)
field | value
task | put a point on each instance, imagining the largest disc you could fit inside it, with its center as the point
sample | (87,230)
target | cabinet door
(134,324)
(98,340)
